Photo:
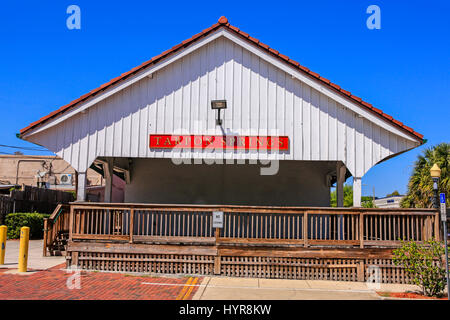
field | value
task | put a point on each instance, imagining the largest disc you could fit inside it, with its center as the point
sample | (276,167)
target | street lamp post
(435,172)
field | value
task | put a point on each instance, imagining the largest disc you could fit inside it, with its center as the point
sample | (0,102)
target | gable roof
(223,23)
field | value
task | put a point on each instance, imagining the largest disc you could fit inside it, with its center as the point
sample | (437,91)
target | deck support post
(437,231)
(81,186)
(108,168)
(340,179)
(357,191)
(217,265)
(44,247)
(71,222)
(360,271)
(361,230)
(74,261)
(305,229)
(131,226)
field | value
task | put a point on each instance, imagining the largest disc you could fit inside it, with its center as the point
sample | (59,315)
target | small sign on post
(218,219)
(443,207)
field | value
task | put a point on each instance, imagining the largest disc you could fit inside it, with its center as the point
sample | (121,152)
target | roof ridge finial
(223,20)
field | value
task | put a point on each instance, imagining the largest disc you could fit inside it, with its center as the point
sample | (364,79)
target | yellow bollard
(3,230)
(23,250)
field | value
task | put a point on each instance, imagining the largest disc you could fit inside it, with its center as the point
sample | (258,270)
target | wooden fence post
(361,229)
(71,223)
(131,226)
(360,271)
(217,265)
(44,252)
(305,229)
(74,261)
(427,228)
(437,231)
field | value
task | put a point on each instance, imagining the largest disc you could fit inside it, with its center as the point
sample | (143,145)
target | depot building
(222,118)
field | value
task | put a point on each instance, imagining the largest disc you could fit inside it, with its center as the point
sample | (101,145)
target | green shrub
(15,221)
(424,264)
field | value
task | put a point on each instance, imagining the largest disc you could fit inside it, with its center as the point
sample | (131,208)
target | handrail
(251,225)
(55,212)
(203,207)
(52,228)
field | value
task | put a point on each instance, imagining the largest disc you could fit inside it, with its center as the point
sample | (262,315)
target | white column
(340,174)
(81,186)
(357,192)
(108,171)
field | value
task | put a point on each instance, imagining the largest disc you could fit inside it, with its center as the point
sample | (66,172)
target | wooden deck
(274,242)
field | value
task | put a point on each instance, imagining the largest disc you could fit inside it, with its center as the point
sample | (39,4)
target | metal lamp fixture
(218,105)
(435,172)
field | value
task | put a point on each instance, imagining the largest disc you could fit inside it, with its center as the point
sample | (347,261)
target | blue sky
(403,68)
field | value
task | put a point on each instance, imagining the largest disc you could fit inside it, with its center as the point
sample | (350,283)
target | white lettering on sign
(217,219)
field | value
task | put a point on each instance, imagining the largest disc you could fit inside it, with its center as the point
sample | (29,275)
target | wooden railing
(56,229)
(250,225)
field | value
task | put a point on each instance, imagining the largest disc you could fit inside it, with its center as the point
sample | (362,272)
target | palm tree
(420,186)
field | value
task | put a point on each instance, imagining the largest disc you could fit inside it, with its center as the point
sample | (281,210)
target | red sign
(167,141)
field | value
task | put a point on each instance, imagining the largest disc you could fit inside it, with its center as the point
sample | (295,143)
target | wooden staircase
(59,245)
(56,231)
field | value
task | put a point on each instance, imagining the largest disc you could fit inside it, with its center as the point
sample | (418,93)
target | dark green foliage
(366,201)
(424,264)
(74,194)
(393,194)
(15,221)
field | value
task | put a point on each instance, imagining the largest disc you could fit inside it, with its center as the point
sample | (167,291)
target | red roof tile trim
(223,23)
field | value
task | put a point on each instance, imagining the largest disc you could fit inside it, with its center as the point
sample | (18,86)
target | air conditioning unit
(65,179)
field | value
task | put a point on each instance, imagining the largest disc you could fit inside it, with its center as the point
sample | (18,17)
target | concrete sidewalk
(35,259)
(227,288)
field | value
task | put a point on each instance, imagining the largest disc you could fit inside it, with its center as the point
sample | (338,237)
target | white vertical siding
(262,100)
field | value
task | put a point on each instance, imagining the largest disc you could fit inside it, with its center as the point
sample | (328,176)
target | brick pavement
(51,284)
